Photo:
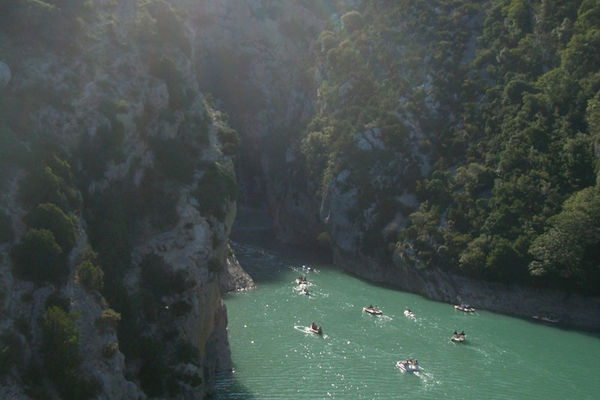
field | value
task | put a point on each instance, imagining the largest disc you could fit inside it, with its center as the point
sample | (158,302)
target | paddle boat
(458,337)
(545,318)
(464,307)
(372,310)
(317,330)
(409,314)
(408,365)
(302,281)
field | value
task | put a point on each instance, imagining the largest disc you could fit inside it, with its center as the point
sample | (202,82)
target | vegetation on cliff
(489,112)
(466,135)
(103,135)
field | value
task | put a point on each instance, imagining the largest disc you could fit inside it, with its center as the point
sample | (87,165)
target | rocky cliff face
(516,300)
(257,64)
(383,147)
(155,185)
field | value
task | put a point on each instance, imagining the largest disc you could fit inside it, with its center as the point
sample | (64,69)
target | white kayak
(372,311)
(408,366)
(464,307)
(544,318)
(458,338)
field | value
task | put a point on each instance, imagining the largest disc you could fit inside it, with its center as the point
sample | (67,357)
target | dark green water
(502,358)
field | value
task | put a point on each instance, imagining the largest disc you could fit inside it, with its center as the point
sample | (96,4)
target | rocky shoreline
(233,278)
(572,311)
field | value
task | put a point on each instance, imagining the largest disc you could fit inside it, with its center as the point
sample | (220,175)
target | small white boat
(409,314)
(372,310)
(408,365)
(464,307)
(545,318)
(458,338)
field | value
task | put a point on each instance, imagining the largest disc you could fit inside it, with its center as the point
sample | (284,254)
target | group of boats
(303,285)
(464,307)
(408,365)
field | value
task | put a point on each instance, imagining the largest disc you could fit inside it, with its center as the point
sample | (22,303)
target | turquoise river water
(502,357)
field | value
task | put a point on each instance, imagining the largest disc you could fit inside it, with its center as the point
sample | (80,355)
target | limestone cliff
(385,90)
(258,64)
(147,162)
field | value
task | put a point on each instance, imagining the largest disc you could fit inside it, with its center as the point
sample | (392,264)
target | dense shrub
(37,257)
(88,271)
(569,248)
(60,347)
(50,183)
(229,140)
(49,216)
(109,349)
(352,21)
(327,40)
(60,343)
(109,318)
(215,190)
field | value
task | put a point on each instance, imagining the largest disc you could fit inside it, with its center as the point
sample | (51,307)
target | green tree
(49,216)
(51,183)
(89,273)
(60,348)
(352,21)
(578,58)
(570,247)
(216,189)
(229,140)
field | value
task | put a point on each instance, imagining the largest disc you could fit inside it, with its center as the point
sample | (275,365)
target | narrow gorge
(448,149)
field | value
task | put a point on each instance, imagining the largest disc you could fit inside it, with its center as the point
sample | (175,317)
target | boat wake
(426,377)
(307,331)
(383,320)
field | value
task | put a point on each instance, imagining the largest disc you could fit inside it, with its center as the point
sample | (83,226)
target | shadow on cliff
(263,261)
(259,252)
